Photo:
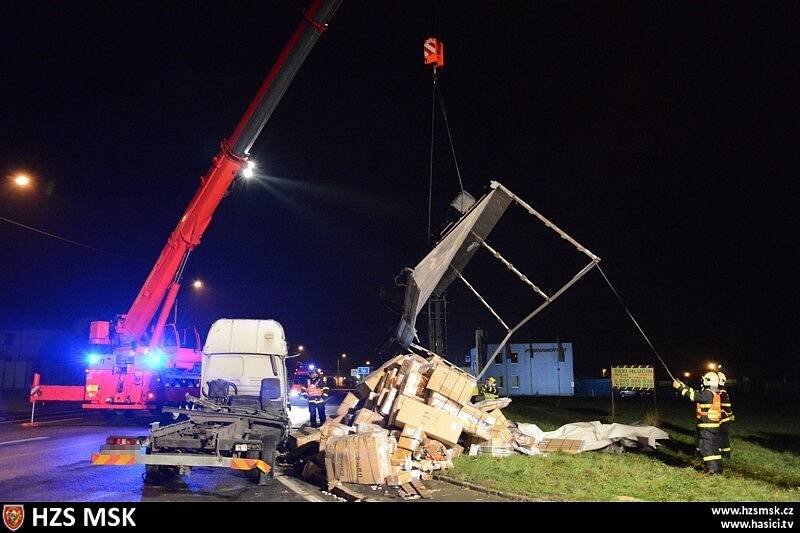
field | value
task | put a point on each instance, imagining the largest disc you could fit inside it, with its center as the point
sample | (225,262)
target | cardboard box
(442,402)
(370,428)
(388,401)
(362,459)
(400,478)
(366,416)
(435,423)
(300,437)
(477,422)
(350,401)
(452,382)
(411,438)
(370,383)
(401,457)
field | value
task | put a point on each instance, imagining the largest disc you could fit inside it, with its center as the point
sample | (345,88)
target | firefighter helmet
(491,381)
(721,377)
(711,380)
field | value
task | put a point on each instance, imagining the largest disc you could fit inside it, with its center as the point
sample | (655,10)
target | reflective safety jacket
(316,390)
(708,407)
(725,404)
(489,392)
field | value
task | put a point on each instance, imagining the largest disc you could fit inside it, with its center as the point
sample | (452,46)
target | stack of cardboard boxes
(408,418)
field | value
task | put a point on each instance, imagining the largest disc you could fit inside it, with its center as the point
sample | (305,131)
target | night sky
(661,136)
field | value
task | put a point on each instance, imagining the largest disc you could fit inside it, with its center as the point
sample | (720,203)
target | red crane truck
(137,363)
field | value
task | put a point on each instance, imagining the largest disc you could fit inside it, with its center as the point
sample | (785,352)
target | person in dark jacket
(708,412)
(727,418)
(316,392)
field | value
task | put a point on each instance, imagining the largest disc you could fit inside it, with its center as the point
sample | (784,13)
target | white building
(530,369)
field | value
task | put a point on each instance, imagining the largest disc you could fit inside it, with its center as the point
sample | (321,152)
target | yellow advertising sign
(632,377)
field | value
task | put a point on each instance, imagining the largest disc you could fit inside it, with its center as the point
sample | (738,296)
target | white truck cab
(244,352)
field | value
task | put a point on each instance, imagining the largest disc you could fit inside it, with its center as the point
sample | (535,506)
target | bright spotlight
(197,284)
(92,359)
(311,367)
(22,180)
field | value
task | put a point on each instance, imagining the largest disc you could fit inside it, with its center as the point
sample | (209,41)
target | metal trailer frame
(214,438)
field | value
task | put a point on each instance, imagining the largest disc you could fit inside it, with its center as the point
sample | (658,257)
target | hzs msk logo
(13,515)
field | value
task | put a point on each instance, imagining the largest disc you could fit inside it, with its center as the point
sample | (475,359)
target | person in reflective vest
(316,391)
(708,411)
(489,389)
(727,418)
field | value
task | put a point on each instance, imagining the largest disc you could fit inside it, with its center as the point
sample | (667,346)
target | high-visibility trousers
(708,442)
(725,440)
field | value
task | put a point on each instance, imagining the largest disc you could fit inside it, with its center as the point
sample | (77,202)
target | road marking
(40,420)
(22,440)
(297,488)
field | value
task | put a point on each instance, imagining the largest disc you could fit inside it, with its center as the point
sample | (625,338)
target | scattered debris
(407,419)
(413,415)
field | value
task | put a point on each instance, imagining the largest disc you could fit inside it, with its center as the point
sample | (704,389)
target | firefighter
(727,418)
(316,391)
(708,411)
(489,389)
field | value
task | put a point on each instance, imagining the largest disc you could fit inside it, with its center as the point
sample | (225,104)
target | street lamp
(712,366)
(344,356)
(367,363)
(197,284)
(687,375)
(22,180)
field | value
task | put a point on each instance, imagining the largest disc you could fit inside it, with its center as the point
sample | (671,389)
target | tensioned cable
(635,322)
(452,146)
(42,232)
(430,168)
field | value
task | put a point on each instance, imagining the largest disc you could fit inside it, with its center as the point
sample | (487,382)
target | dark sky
(661,136)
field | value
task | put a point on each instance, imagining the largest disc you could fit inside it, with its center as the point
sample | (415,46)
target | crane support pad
(116,459)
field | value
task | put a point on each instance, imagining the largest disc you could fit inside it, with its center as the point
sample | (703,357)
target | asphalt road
(52,463)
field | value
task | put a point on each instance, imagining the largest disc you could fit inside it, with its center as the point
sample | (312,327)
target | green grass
(765,466)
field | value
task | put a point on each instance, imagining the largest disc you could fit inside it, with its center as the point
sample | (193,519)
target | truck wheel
(269,458)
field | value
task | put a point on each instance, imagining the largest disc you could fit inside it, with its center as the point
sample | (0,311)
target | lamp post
(338,360)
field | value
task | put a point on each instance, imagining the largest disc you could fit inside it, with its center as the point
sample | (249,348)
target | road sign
(354,372)
(632,377)
(363,371)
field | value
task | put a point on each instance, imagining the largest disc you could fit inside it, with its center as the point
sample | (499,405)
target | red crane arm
(233,153)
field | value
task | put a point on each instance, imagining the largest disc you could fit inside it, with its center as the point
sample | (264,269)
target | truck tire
(268,456)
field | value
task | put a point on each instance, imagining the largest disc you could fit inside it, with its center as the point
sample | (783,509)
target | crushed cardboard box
(408,418)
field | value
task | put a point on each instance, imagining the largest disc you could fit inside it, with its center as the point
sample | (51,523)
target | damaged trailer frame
(235,439)
(446,262)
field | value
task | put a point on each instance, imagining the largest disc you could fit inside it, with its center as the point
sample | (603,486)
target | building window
(513,358)
(9,338)
(514,382)
(499,381)
(499,359)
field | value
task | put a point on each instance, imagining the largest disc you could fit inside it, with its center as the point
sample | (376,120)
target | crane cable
(430,167)
(437,95)
(635,322)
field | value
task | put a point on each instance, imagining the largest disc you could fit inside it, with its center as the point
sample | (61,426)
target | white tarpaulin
(596,435)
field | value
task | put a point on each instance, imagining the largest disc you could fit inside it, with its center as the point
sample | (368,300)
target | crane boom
(161,285)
